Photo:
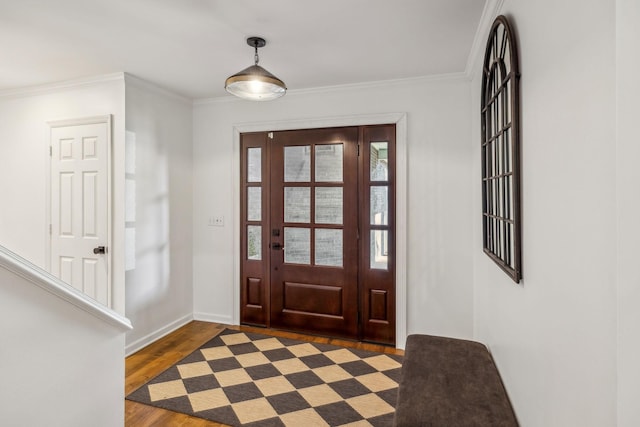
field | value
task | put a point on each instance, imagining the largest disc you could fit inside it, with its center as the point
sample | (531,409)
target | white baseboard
(215,318)
(154,336)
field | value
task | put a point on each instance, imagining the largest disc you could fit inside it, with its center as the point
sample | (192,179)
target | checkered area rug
(247,379)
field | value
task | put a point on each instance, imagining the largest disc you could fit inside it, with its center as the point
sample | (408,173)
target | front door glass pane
(297,204)
(329,205)
(379,249)
(254,204)
(297,245)
(329,163)
(254,242)
(297,163)
(254,164)
(379,205)
(379,161)
(329,247)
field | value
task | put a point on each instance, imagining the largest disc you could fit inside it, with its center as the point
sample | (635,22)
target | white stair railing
(52,284)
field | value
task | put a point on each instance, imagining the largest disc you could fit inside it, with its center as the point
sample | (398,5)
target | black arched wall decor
(500,118)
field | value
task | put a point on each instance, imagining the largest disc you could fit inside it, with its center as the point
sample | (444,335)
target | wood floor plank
(152,360)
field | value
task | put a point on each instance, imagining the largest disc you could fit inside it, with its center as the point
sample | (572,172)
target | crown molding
(126,78)
(350,86)
(130,79)
(57,86)
(489,14)
(382,83)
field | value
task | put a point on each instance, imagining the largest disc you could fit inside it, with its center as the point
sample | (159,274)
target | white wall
(156,211)
(61,366)
(158,217)
(24,158)
(554,336)
(439,282)
(628,180)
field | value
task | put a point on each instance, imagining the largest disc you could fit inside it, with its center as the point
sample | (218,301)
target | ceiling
(192,46)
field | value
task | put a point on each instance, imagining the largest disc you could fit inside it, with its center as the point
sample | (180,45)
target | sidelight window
(379,204)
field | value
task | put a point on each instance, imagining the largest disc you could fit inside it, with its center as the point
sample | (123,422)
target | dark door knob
(276,246)
(99,250)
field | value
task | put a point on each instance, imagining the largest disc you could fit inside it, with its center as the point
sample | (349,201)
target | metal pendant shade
(255,83)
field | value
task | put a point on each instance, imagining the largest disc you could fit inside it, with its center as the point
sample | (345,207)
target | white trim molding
(489,13)
(214,318)
(34,274)
(400,119)
(58,86)
(131,80)
(156,335)
(80,121)
(344,87)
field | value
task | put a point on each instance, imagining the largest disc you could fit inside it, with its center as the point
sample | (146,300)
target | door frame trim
(400,120)
(52,124)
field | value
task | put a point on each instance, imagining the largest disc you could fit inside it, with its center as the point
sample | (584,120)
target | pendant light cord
(255,56)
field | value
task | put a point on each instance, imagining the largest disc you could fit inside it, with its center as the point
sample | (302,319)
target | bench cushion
(450,382)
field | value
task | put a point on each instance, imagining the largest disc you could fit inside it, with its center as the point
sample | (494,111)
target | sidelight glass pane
(329,205)
(379,161)
(297,163)
(254,242)
(379,249)
(297,204)
(297,245)
(254,203)
(329,163)
(329,247)
(254,164)
(379,205)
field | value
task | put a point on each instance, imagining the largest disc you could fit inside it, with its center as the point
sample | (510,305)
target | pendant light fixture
(255,83)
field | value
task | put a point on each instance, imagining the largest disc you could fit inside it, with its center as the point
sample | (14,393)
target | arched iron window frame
(500,116)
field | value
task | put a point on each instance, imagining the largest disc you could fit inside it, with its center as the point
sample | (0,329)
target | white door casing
(80,205)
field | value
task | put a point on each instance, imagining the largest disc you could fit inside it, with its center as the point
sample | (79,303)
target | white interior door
(80,207)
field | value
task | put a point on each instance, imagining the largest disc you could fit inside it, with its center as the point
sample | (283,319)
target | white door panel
(79,207)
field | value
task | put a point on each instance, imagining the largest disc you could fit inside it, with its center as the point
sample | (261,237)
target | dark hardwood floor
(155,358)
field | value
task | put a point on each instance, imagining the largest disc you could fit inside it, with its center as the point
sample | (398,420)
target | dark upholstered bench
(450,382)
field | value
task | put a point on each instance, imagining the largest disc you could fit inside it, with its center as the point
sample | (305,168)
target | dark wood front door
(317,222)
(314,211)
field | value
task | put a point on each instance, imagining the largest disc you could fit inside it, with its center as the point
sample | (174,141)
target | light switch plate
(216,221)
